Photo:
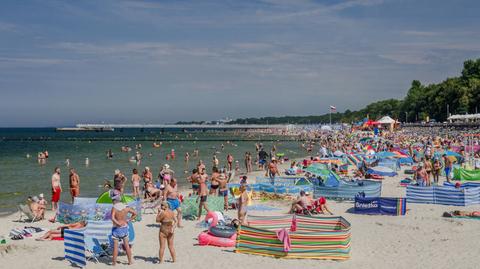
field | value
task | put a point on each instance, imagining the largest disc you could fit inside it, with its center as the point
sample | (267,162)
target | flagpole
(330,116)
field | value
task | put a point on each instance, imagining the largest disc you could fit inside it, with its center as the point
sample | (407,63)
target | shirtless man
(193,179)
(223,189)
(120,221)
(56,188)
(203,192)
(74,184)
(300,204)
(171,195)
(273,169)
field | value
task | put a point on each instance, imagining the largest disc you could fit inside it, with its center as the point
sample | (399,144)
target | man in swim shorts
(120,218)
(171,195)
(56,188)
(194,180)
(223,189)
(74,184)
(203,192)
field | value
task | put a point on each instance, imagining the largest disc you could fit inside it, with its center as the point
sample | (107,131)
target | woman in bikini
(136,183)
(167,220)
(215,183)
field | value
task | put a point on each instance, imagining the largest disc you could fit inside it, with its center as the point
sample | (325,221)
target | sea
(21,175)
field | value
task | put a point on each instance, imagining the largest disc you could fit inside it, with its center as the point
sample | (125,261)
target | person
(166,174)
(187,159)
(56,188)
(421,175)
(109,154)
(273,169)
(214,181)
(166,218)
(119,181)
(59,231)
(193,179)
(147,175)
(223,189)
(243,181)
(448,166)
(322,206)
(42,202)
(229,162)
(428,169)
(120,218)
(300,204)
(437,166)
(36,208)
(171,195)
(152,193)
(203,192)
(242,205)
(215,161)
(466,213)
(135,183)
(74,180)
(262,158)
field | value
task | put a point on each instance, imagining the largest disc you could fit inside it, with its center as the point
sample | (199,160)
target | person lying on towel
(58,232)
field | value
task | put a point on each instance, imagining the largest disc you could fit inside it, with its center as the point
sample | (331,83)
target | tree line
(457,95)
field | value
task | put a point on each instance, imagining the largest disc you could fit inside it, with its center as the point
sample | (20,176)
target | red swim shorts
(56,194)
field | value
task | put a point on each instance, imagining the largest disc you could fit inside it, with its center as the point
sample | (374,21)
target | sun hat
(166,166)
(40,195)
(35,199)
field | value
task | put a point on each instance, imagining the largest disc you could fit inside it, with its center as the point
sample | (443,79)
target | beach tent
(381,171)
(393,164)
(386,120)
(464,174)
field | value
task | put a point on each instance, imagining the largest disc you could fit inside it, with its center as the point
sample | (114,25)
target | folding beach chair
(25,210)
(97,238)
(73,240)
(153,206)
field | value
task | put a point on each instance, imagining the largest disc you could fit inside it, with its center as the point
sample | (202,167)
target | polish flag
(332,108)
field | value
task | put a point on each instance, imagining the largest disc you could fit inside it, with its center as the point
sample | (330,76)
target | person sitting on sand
(43,203)
(167,220)
(120,221)
(321,206)
(300,205)
(171,195)
(59,232)
(152,193)
(36,208)
(242,204)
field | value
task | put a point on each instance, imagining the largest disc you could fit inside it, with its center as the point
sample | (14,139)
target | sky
(126,61)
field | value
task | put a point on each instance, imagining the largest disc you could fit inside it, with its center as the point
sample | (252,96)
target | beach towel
(284,236)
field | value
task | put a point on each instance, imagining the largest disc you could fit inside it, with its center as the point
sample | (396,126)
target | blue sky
(64,62)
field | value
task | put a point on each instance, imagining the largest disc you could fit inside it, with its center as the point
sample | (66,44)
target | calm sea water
(21,177)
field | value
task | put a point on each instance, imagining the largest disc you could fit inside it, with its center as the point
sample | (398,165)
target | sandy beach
(420,239)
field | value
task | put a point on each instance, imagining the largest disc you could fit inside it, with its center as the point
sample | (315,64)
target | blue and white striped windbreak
(75,247)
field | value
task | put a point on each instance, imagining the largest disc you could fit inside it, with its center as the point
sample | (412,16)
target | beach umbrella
(338,153)
(366,140)
(104,198)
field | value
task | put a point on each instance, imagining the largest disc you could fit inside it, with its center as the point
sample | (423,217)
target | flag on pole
(332,108)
